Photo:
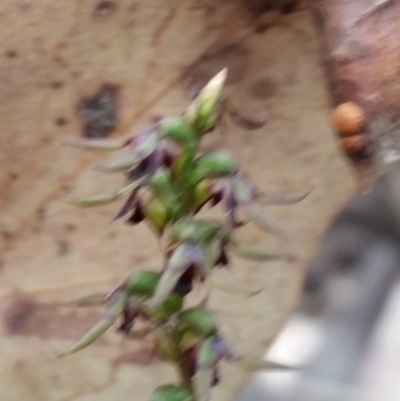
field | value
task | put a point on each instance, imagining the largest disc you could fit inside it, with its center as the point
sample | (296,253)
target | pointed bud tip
(63,354)
(221,76)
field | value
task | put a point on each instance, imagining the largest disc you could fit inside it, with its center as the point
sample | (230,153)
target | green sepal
(165,347)
(215,164)
(162,183)
(199,321)
(202,192)
(177,130)
(190,230)
(253,253)
(202,380)
(120,164)
(98,200)
(170,392)
(99,144)
(102,326)
(157,213)
(261,219)
(171,306)
(142,283)
(175,267)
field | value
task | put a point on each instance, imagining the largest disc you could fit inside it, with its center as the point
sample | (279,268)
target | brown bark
(361,52)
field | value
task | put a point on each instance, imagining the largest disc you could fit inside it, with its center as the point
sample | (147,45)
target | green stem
(185,181)
(178,359)
(184,374)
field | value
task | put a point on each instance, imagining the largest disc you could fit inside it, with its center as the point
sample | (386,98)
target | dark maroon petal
(168,153)
(216,197)
(139,171)
(129,315)
(159,157)
(128,205)
(185,283)
(190,359)
(230,206)
(202,205)
(167,159)
(222,258)
(154,161)
(137,216)
(216,377)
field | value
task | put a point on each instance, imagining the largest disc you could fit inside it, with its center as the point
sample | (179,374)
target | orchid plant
(168,182)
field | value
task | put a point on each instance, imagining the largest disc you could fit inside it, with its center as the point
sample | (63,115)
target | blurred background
(100,68)
(345,334)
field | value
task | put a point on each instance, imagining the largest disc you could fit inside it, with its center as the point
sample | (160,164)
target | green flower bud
(202,192)
(165,348)
(162,183)
(156,211)
(177,130)
(188,339)
(215,164)
(182,230)
(170,392)
(172,305)
(199,321)
(205,232)
(142,283)
(202,113)
(187,230)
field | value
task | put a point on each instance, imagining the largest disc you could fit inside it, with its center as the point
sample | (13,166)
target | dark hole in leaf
(98,113)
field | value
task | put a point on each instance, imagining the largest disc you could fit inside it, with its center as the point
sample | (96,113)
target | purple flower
(129,315)
(135,205)
(187,258)
(238,192)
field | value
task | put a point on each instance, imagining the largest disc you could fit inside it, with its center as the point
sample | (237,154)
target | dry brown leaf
(63,61)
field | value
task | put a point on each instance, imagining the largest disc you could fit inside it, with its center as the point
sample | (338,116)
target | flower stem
(178,359)
(183,369)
